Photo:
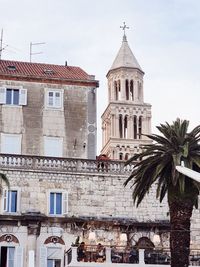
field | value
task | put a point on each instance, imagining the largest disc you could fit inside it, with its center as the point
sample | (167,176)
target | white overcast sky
(164,36)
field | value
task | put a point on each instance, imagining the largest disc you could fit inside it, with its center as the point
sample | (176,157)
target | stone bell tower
(126,117)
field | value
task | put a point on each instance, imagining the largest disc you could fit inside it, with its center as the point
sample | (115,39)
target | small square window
(53,146)
(11,143)
(54,99)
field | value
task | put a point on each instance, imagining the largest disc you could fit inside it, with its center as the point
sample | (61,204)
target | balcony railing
(121,258)
(63,164)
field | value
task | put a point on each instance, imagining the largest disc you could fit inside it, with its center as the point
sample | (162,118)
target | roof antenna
(1,44)
(31,49)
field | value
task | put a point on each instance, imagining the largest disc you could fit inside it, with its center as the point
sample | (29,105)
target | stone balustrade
(63,164)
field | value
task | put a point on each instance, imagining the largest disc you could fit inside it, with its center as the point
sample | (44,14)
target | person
(100,254)
(133,256)
(115,257)
(81,252)
(102,160)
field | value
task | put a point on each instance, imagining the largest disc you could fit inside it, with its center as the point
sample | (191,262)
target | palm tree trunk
(180,215)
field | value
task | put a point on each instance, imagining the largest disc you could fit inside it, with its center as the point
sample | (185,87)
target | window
(140,127)
(53,146)
(11,143)
(7,256)
(132,90)
(13,96)
(126,126)
(54,99)
(53,263)
(11,256)
(58,203)
(127,89)
(135,127)
(11,200)
(51,256)
(120,126)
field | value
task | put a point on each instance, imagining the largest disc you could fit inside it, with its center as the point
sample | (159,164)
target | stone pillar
(74,255)
(141,257)
(108,255)
(31,258)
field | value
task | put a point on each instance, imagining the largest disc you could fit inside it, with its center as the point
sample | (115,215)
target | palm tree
(156,165)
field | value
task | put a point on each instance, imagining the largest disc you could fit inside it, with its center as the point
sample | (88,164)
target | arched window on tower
(139,91)
(135,127)
(125,126)
(132,90)
(140,127)
(127,89)
(126,156)
(119,89)
(116,90)
(120,126)
(120,156)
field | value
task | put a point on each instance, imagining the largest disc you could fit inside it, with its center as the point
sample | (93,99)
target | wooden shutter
(2,95)
(43,257)
(5,202)
(19,256)
(65,202)
(18,200)
(23,97)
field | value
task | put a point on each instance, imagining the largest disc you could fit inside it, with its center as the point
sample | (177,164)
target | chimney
(65,63)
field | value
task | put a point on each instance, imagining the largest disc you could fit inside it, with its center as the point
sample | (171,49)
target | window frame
(22,98)
(54,106)
(4,135)
(47,139)
(6,201)
(65,202)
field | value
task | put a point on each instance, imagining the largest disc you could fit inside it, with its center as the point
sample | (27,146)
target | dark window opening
(7,256)
(135,127)
(125,126)
(127,89)
(140,127)
(120,126)
(126,156)
(116,90)
(132,90)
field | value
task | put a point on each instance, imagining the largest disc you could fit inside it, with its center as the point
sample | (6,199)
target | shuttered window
(13,96)
(58,203)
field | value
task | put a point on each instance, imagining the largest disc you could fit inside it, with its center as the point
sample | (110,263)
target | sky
(164,36)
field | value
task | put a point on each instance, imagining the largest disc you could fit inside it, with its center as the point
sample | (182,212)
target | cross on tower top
(124,27)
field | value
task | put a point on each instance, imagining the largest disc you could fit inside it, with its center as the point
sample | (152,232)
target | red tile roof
(43,71)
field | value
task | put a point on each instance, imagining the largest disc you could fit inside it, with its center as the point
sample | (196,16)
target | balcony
(63,164)
(123,258)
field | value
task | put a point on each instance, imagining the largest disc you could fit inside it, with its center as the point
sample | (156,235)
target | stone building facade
(88,199)
(47,110)
(59,193)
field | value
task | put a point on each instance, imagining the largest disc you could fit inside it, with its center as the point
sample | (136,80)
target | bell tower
(126,117)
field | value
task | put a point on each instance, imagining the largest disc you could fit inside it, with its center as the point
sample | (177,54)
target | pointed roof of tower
(125,57)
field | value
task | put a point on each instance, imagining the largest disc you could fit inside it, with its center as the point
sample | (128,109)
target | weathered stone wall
(34,121)
(101,195)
